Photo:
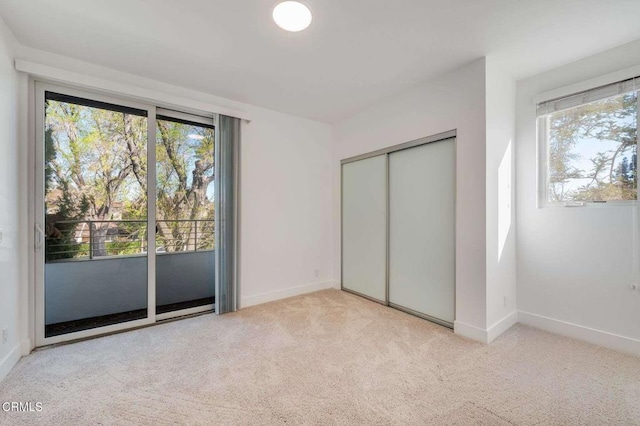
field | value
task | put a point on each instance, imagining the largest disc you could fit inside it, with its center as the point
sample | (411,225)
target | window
(184,182)
(95,179)
(589,143)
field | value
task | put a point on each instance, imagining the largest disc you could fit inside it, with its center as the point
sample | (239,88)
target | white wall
(286,207)
(453,101)
(285,198)
(11,205)
(574,265)
(500,182)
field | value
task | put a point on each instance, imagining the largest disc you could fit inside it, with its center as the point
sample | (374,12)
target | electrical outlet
(317,273)
(5,335)
(504,301)
(1,235)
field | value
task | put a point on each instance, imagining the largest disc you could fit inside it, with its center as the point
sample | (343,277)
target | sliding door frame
(195,119)
(37,213)
(451,134)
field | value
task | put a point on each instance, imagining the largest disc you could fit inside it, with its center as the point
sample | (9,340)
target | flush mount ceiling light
(292,15)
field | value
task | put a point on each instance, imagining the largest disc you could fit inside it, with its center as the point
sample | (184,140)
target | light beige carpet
(324,358)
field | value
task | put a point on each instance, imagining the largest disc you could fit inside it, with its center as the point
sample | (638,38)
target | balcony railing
(71,240)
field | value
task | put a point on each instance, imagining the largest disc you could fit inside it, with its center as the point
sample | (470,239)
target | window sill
(589,205)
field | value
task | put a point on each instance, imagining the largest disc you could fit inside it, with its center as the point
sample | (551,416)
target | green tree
(609,120)
(97,160)
(96,171)
(182,196)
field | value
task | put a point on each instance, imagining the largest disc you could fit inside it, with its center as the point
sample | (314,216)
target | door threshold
(126,330)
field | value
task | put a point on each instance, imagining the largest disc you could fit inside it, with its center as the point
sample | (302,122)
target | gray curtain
(226,191)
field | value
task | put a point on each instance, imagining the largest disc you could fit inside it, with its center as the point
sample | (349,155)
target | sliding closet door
(364,224)
(422,230)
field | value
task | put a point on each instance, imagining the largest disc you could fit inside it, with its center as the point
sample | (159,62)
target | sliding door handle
(39,237)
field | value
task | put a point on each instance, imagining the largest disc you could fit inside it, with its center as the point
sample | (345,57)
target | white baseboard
(271,296)
(470,331)
(9,361)
(485,336)
(501,326)
(598,337)
(26,347)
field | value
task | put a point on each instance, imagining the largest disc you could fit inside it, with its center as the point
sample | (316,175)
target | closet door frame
(451,134)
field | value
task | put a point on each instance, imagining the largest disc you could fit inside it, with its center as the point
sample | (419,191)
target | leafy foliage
(96,172)
(611,172)
(180,195)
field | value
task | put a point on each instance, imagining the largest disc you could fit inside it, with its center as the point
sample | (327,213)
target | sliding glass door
(124,209)
(185,212)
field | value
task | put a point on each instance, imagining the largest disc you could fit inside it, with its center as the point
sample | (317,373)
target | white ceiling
(355,52)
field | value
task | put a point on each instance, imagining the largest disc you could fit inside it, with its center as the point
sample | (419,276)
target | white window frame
(542,142)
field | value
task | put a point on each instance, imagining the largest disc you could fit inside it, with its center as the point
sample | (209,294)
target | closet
(398,227)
